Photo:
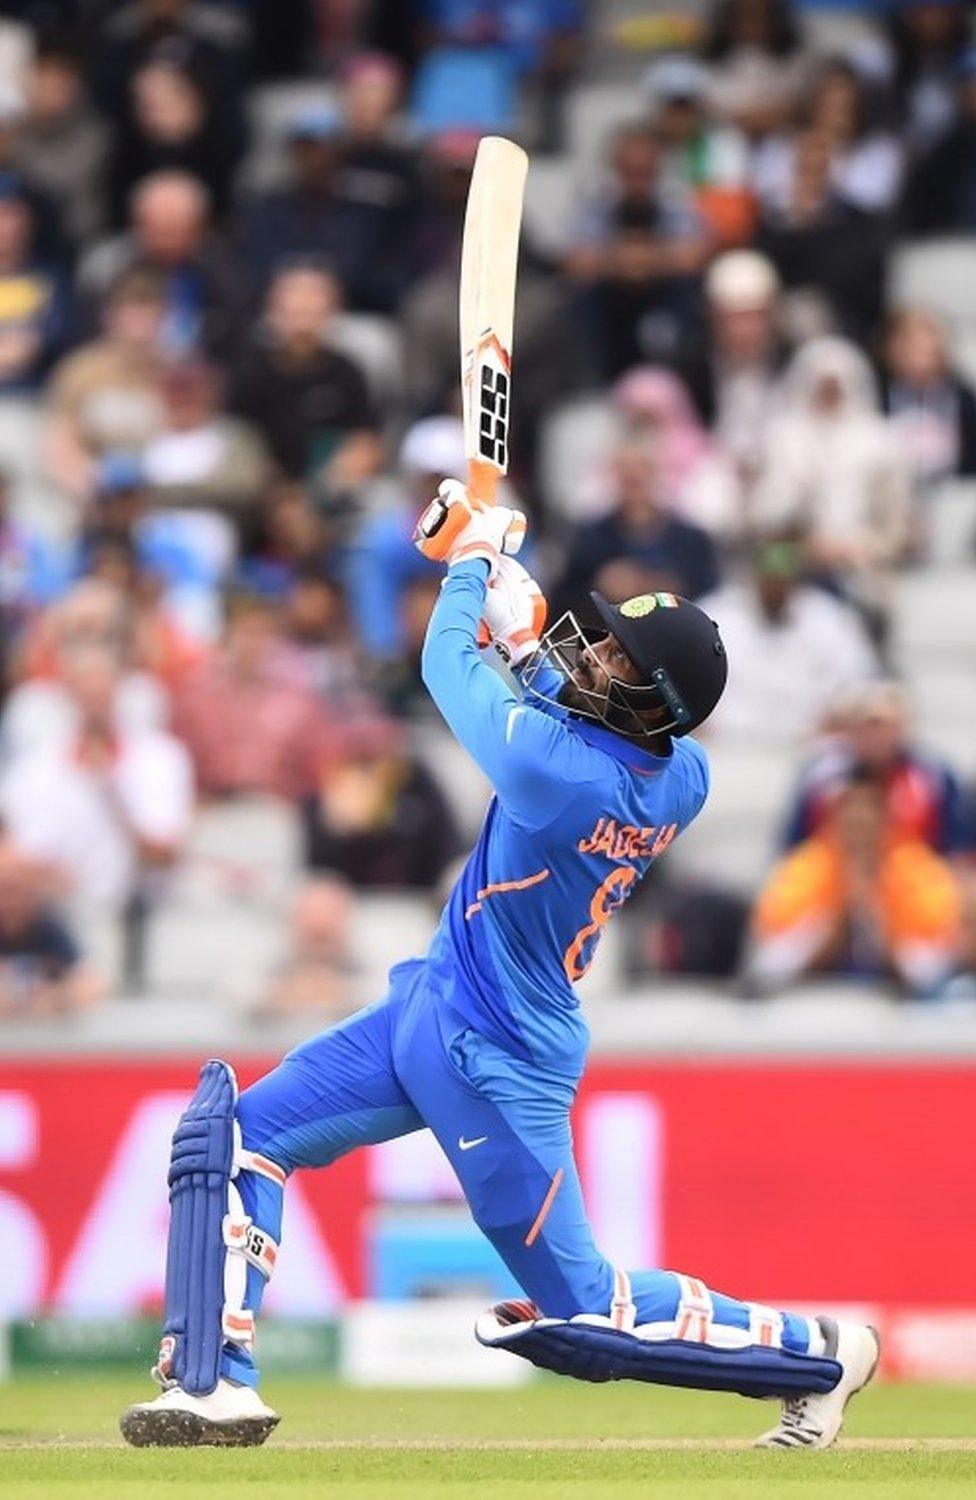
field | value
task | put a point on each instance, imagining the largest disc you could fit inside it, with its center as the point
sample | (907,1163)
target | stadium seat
(373,343)
(247,850)
(388,927)
(456,89)
(940,275)
(222,952)
(551,195)
(574,437)
(950,520)
(270,109)
(732,846)
(462,783)
(593,113)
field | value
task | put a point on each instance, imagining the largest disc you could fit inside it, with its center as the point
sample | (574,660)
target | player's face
(598,664)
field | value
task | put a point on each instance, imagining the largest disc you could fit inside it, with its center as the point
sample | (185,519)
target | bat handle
(482,483)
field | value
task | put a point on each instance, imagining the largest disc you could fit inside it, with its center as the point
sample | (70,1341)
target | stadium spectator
(379,182)
(795,649)
(62,145)
(107,396)
(701,485)
(212,39)
(756,57)
(708,160)
(173,126)
(866,162)
(94,616)
(927,39)
(941,193)
(930,407)
(35,316)
(351,197)
(170,233)
(42,972)
(310,401)
(315,978)
(249,728)
(321,648)
(639,541)
(819,243)
(203,458)
(295,536)
(732,371)
(833,468)
(635,257)
(108,807)
(377,817)
(850,901)
(923,799)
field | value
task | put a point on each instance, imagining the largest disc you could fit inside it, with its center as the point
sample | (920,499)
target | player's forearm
(470,695)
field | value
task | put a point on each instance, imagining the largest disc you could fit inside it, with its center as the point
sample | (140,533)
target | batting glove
(453,529)
(515,611)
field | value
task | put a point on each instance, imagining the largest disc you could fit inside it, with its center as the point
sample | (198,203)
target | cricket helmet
(676,649)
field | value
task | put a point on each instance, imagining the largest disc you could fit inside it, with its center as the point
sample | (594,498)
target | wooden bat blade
(489,260)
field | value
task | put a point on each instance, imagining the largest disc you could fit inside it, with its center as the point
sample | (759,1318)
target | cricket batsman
(594,774)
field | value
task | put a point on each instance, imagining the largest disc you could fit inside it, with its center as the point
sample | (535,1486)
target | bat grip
(482,483)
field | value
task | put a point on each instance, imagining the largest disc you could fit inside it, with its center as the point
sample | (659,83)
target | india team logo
(643,604)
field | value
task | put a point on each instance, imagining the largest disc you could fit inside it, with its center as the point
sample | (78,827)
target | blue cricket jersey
(578,815)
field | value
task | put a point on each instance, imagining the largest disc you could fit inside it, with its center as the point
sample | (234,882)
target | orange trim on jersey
(501,886)
(267,1168)
(543,1213)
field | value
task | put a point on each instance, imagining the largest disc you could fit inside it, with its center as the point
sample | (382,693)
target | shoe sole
(186,1429)
(855,1391)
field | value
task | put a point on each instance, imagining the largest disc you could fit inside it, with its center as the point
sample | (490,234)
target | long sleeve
(532,761)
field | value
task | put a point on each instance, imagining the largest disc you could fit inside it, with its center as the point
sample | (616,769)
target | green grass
(59,1439)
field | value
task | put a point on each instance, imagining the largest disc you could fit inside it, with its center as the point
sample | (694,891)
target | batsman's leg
(231,1159)
(505,1127)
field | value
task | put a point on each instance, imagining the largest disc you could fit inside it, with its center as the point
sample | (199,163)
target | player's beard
(580,688)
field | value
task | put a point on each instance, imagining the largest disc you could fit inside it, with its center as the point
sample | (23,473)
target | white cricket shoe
(814,1421)
(232,1416)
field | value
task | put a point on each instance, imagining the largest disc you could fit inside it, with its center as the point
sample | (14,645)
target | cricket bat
(489,260)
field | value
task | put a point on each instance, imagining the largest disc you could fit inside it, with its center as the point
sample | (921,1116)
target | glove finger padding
(514,611)
(453,528)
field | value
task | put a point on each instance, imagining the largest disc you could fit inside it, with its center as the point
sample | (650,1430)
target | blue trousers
(503,1125)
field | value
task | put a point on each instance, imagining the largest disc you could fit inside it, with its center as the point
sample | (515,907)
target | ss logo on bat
(493,423)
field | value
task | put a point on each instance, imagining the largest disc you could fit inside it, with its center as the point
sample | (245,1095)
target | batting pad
(590,1348)
(212,1241)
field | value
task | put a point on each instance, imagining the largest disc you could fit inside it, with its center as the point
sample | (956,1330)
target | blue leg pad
(200,1170)
(591,1352)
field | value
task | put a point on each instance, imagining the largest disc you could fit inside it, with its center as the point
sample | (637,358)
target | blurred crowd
(229,238)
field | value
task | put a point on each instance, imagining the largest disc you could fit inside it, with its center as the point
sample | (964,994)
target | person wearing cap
(589,747)
(732,370)
(347,198)
(707,159)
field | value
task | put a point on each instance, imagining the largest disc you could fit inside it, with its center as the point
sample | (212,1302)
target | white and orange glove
(515,612)
(453,528)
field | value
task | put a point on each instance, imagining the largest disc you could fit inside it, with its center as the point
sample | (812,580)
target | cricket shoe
(232,1416)
(814,1421)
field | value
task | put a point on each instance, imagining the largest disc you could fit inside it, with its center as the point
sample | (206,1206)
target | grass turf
(59,1439)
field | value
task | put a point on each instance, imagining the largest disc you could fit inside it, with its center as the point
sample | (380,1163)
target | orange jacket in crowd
(917,899)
